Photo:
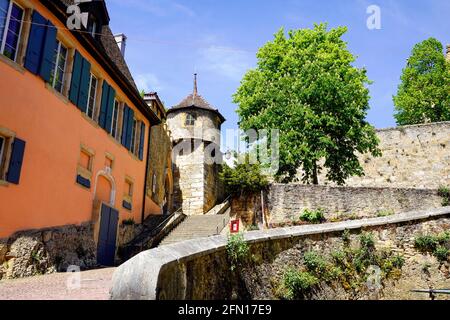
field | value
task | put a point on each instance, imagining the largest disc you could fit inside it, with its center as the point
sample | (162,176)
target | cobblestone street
(93,285)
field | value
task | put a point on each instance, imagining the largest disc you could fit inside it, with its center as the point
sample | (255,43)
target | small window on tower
(190,120)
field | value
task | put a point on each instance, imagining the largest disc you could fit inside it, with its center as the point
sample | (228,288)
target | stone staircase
(194,227)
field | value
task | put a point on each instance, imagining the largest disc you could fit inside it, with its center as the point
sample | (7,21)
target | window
(92,96)
(128,194)
(11,16)
(109,160)
(190,120)
(115,120)
(58,67)
(84,169)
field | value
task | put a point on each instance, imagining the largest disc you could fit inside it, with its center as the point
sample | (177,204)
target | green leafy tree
(243,178)
(306,86)
(424,92)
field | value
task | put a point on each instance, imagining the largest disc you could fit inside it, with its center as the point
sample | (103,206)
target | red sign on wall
(234,227)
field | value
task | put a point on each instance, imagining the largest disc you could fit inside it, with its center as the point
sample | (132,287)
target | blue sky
(170,39)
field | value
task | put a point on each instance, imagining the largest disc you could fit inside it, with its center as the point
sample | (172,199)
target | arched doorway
(106,218)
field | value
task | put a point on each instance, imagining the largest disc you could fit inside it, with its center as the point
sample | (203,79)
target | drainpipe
(147,162)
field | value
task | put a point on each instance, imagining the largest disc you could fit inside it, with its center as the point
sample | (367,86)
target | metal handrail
(432,292)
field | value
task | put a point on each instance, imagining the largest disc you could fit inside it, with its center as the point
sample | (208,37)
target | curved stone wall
(198,269)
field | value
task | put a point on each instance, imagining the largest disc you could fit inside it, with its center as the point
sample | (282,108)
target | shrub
(128,222)
(425,243)
(298,283)
(435,244)
(346,236)
(441,253)
(315,263)
(237,250)
(366,240)
(312,216)
(444,192)
(243,178)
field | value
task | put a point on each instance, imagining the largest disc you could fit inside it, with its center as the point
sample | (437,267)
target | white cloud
(226,61)
(148,82)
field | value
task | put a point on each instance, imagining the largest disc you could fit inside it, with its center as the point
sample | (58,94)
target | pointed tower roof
(195,101)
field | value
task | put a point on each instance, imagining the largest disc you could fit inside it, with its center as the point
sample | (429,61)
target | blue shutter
(125,125)
(48,52)
(84,182)
(129,128)
(110,109)
(84,85)
(35,43)
(76,76)
(104,105)
(127,205)
(141,142)
(15,164)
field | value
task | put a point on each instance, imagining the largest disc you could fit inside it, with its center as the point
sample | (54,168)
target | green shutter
(35,43)
(83,93)
(48,52)
(76,77)
(129,128)
(125,125)
(141,142)
(110,109)
(103,105)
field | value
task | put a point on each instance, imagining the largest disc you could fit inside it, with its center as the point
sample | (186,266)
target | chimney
(448,52)
(121,41)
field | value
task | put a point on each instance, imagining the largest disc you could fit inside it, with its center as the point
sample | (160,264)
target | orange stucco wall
(54,131)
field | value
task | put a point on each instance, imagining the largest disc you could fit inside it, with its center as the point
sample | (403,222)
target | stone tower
(195,127)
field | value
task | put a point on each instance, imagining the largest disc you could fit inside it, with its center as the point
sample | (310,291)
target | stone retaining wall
(46,251)
(199,269)
(286,202)
(416,156)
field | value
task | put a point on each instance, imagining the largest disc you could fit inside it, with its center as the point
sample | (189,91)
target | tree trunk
(315,174)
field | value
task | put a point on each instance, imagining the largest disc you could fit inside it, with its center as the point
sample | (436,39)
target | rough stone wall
(45,251)
(160,164)
(247,208)
(196,185)
(200,269)
(287,201)
(189,177)
(416,156)
(420,271)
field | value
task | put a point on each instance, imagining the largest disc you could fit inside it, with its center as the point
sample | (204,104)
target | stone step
(194,227)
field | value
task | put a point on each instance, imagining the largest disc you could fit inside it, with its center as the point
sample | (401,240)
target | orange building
(74,130)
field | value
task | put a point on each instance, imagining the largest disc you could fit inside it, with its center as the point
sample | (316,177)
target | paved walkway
(87,285)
